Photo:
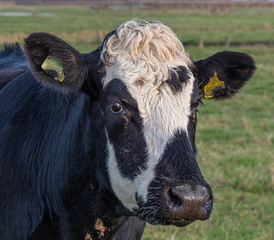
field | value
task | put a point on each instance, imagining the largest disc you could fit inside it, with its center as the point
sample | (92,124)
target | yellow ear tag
(214,83)
(54,64)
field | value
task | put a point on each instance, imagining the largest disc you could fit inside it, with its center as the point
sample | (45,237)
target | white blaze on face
(143,56)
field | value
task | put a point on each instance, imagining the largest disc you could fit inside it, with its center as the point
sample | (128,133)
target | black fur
(181,75)
(12,63)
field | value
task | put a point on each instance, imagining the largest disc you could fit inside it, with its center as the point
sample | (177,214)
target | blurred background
(234,137)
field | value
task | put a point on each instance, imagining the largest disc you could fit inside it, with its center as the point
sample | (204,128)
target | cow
(94,145)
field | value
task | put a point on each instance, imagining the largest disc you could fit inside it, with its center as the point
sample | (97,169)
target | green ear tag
(213,84)
(54,64)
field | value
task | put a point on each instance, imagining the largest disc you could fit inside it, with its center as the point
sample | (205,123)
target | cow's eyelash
(195,105)
(128,104)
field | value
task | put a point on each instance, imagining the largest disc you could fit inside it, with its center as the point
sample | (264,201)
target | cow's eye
(116,108)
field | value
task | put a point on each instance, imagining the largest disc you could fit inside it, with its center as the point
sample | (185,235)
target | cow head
(148,90)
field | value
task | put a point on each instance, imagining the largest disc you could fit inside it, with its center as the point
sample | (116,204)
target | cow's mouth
(167,221)
(178,223)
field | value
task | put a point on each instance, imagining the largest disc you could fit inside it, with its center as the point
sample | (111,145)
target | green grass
(234,137)
(80,23)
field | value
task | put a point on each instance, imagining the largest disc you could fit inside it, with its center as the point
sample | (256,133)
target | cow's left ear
(54,62)
(223,74)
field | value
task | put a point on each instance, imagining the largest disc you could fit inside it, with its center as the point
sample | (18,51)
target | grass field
(234,137)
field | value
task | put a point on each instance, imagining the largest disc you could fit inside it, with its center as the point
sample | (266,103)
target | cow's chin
(177,223)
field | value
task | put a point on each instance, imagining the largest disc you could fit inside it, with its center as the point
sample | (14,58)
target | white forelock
(143,56)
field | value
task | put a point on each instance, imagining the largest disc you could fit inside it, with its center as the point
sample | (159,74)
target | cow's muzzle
(188,202)
(178,204)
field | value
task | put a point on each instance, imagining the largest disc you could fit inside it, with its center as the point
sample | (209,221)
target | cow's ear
(223,74)
(55,63)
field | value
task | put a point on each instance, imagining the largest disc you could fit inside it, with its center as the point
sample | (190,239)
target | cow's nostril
(174,200)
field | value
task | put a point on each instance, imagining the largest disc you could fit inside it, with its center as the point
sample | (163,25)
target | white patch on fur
(123,188)
(143,56)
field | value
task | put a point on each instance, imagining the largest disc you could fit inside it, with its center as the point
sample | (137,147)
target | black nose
(189,202)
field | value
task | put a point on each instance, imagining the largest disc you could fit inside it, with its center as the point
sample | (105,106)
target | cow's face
(151,164)
(149,93)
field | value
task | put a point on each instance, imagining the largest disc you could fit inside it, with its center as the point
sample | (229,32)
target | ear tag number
(214,87)
(54,65)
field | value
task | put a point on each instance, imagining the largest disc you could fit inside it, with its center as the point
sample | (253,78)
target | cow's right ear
(54,62)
